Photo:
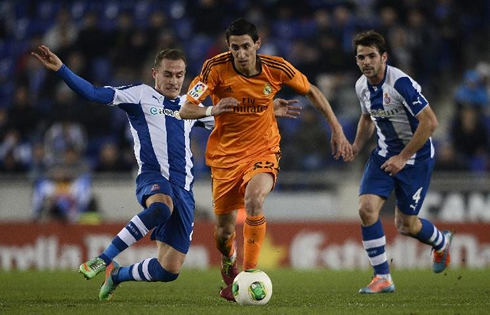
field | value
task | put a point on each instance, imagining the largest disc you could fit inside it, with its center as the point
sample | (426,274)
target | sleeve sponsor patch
(197,90)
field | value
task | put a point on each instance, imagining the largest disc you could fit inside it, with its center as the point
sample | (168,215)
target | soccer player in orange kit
(243,149)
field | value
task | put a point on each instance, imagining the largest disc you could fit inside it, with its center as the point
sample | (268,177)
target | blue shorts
(410,184)
(177,231)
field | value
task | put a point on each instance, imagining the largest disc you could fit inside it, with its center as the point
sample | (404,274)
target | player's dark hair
(369,38)
(172,54)
(242,27)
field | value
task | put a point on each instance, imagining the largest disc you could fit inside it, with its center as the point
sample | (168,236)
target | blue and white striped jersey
(393,105)
(161,138)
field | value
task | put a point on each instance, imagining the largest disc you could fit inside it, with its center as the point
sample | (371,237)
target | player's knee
(224,233)
(253,206)
(160,210)
(367,214)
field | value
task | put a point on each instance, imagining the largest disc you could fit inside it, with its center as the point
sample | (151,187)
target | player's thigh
(376,181)
(412,186)
(227,196)
(170,258)
(260,185)
(177,231)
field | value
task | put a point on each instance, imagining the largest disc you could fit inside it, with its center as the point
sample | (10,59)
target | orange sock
(253,235)
(226,248)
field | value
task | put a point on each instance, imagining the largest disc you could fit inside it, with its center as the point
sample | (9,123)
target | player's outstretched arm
(283,108)
(82,87)
(339,143)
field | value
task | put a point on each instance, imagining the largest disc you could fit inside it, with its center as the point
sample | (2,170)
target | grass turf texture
(295,292)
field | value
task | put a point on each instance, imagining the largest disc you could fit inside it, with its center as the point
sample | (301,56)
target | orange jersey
(251,129)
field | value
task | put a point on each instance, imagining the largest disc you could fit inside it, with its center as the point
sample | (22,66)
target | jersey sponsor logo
(198,90)
(267,88)
(249,109)
(228,89)
(380,113)
(386,99)
(165,111)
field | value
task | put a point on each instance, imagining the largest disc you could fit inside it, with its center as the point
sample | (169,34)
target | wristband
(208,111)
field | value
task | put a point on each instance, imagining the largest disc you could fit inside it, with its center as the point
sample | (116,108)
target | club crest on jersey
(198,90)
(267,88)
(155,187)
(387,99)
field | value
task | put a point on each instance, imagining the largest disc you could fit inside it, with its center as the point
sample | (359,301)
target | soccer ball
(252,287)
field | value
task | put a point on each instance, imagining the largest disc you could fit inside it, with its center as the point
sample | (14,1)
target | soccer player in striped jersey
(243,149)
(165,177)
(392,104)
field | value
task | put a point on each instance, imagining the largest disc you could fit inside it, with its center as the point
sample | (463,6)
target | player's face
(169,77)
(371,63)
(244,52)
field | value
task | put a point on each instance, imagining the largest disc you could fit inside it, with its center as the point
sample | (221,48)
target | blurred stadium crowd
(44,127)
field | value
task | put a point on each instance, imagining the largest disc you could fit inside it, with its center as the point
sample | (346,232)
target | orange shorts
(228,184)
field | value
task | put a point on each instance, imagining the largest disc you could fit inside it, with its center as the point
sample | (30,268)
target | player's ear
(384,57)
(153,73)
(258,43)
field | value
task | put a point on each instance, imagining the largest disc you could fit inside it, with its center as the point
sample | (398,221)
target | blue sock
(429,234)
(156,214)
(146,270)
(374,242)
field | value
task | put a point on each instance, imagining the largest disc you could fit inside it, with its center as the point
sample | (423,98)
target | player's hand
(355,153)
(394,164)
(341,146)
(48,58)
(225,105)
(283,108)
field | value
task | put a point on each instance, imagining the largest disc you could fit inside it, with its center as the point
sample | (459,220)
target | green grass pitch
(460,291)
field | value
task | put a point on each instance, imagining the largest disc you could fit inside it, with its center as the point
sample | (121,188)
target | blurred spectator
(422,44)
(111,160)
(63,136)
(308,148)
(38,165)
(470,137)
(63,33)
(207,16)
(22,115)
(14,153)
(64,192)
(94,43)
(472,92)
(448,159)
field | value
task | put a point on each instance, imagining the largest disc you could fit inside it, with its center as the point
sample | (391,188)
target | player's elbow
(185,112)
(433,123)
